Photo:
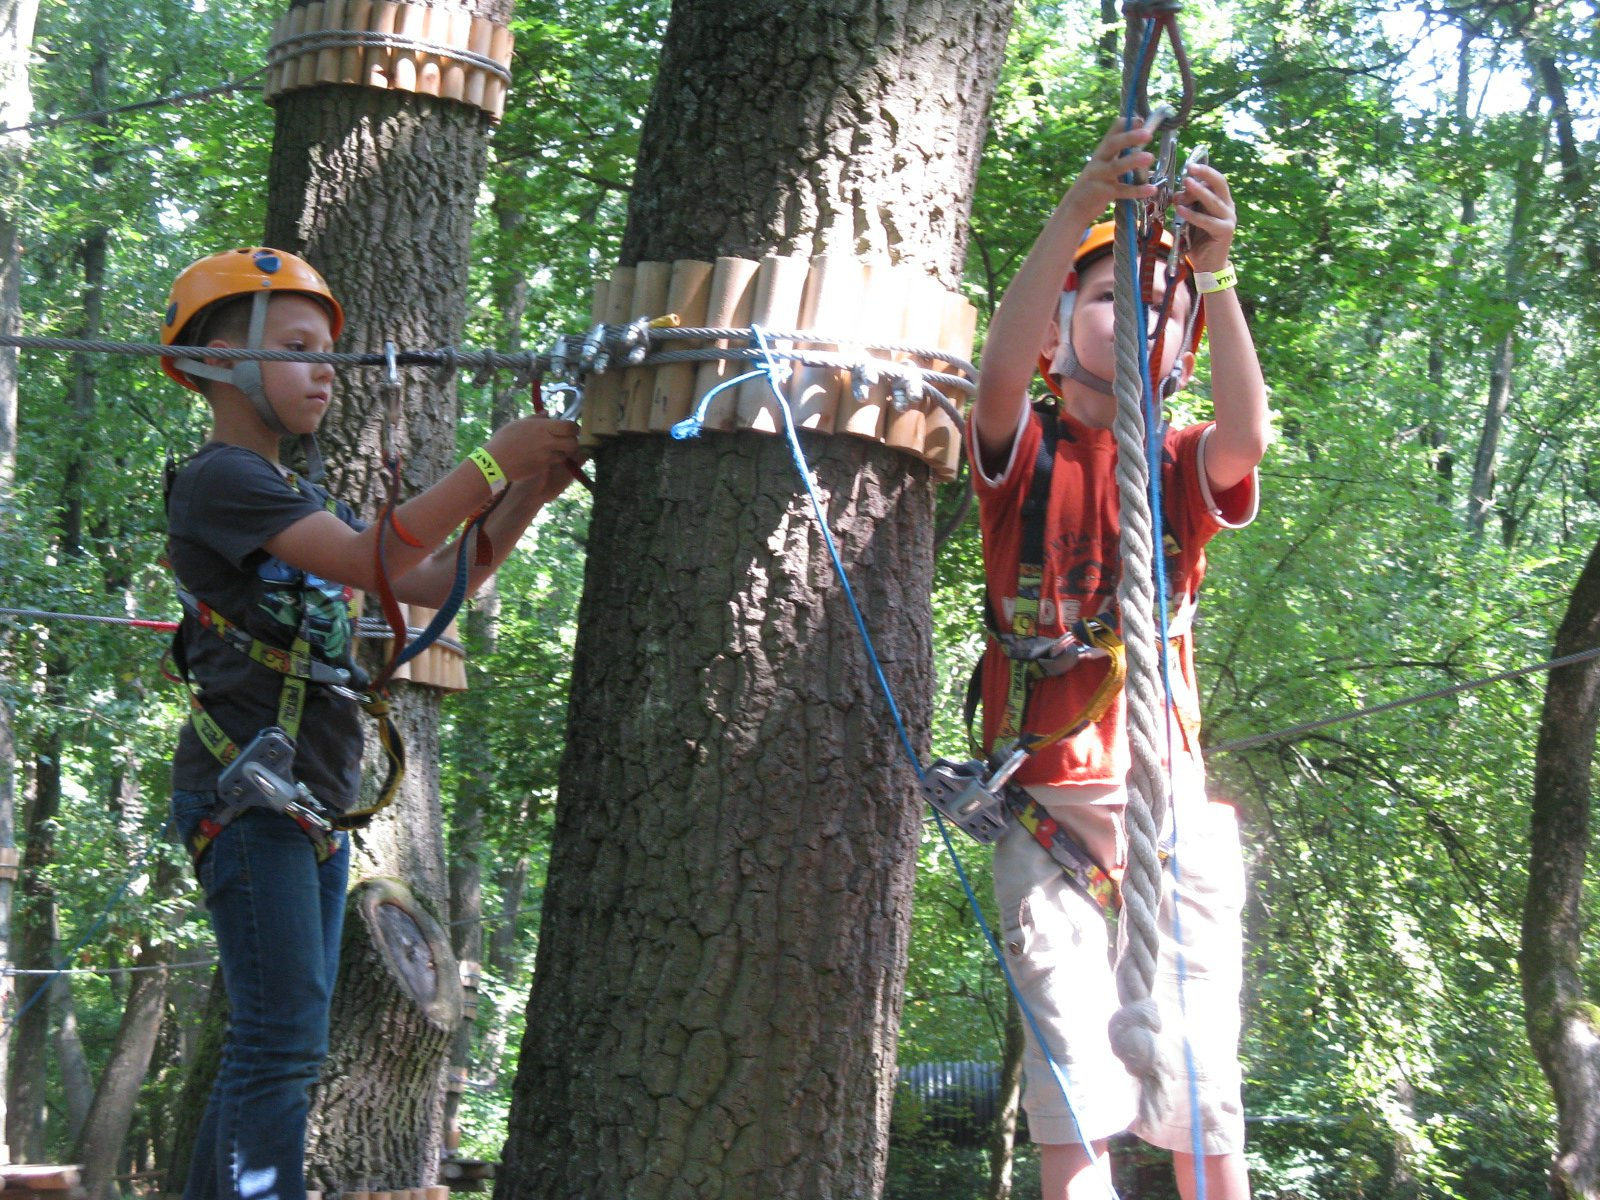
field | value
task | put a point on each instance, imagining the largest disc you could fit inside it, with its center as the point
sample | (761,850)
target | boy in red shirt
(1055,935)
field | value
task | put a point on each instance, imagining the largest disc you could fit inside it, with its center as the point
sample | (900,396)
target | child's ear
(1052,340)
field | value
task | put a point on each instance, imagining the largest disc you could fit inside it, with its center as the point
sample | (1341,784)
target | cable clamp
(592,357)
(389,389)
(863,377)
(909,388)
(635,341)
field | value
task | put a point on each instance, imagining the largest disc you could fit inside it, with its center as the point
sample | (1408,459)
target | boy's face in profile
(299,392)
(1094,339)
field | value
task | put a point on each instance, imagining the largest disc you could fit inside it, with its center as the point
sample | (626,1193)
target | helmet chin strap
(1065,363)
(246,376)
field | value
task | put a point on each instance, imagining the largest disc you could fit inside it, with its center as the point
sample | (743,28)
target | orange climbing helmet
(1098,241)
(248,271)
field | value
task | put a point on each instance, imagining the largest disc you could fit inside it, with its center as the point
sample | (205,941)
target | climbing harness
(258,775)
(985,809)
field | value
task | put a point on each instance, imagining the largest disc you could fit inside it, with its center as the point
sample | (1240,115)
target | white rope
(1136,1026)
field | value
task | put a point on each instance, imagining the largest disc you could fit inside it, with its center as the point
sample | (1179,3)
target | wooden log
(289,68)
(453,84)
(494,91)
(305,65)
(404,63)
(652,283)
(328,59)
(919,326)
(602,391)
(442,667)
(357,19)
(863,415)
(672,396)
(480,41)
(589,436)
(384,15)
(830,304)
(780,282)
(942,446)
(430,67)
(273,83)
(729,304)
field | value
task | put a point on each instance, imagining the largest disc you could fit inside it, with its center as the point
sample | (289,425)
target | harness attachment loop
(985,809)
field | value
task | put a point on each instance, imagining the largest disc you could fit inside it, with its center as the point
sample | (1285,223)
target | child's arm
(1238,392)
(532,452)
(1021,323)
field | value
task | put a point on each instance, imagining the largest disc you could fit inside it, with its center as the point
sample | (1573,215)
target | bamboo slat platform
(873,304)
(24,1181)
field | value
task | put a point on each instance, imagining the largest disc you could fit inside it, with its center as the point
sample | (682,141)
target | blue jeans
(277,915)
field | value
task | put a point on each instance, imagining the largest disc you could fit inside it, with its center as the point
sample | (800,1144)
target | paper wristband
(492,474)
(1216,281)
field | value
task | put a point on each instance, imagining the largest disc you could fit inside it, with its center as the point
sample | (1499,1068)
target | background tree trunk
(1563,1022)
(16,106)
(721,955)
(100,1142)
(379,190)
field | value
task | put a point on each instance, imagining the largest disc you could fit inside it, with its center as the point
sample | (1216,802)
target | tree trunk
(16,106)
(200,1070)
(397,990)
(106,1128)
(36,940)
(721,954)
(77,1080)
(1563,1022)
(1003,1137)
(1480,499)
(378,189)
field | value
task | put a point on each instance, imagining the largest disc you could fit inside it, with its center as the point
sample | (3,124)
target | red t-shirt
(1081,573)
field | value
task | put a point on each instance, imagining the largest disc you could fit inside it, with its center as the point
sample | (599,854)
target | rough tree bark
(1563,1020)
(396,996)
(721,956)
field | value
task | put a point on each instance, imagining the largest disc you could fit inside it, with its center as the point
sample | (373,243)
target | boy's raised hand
(1206,203)
(1100,183)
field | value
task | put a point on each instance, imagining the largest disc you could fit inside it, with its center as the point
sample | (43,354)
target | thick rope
(1136,1026)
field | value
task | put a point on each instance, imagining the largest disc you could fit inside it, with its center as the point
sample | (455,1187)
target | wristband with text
(495,477)
(1219,280)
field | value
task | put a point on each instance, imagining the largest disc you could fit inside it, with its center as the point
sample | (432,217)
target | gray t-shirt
(224,504)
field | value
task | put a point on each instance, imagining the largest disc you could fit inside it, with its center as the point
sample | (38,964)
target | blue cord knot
(689,427)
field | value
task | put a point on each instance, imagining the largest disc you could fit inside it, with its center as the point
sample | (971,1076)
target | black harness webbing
(259,774)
